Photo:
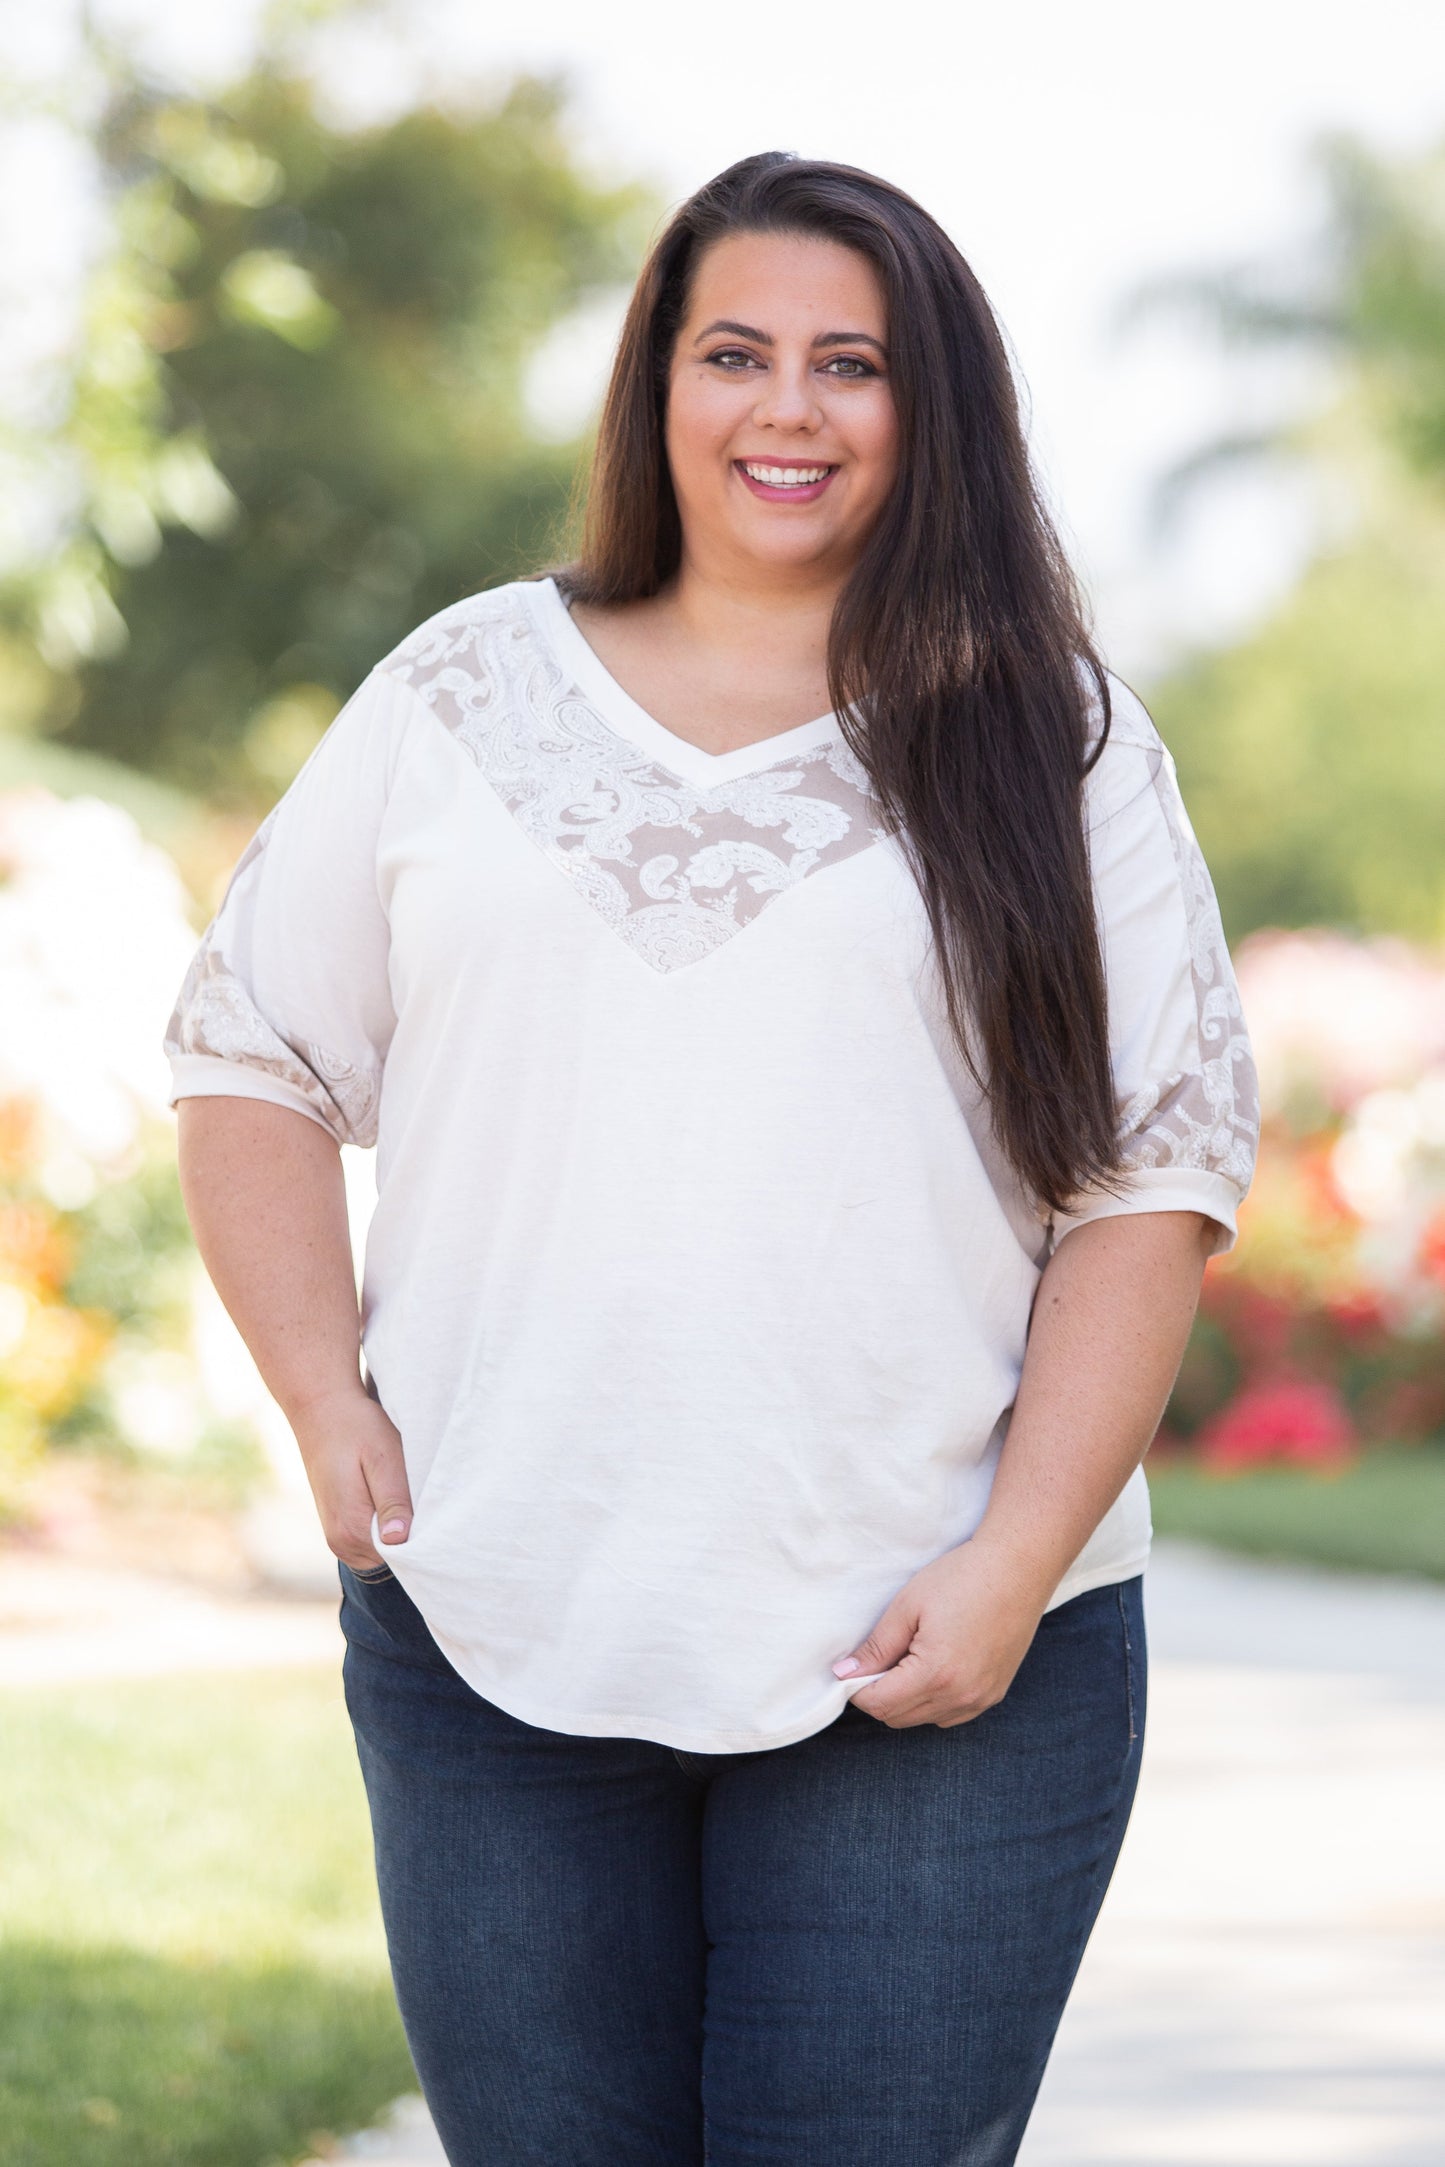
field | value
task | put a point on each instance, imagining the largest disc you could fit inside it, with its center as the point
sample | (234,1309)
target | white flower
(1337,1016)
(94,939)
(155,1399)
(1388,1163)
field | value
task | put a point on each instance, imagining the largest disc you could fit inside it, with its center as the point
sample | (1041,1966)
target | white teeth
(784,477)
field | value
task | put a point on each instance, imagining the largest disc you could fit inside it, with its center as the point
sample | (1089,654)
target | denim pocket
(371,1574)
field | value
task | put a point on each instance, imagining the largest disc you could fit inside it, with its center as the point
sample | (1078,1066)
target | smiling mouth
(785,482)
(784,477)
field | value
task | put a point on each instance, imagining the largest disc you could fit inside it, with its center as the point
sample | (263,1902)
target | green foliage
(1312,754)
(78,1277)
(1385,1514)
(1367,290)
(297,419)
(193,1971)
(132,1249)
(1389,222)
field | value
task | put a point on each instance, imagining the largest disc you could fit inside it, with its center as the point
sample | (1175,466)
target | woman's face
(781,430)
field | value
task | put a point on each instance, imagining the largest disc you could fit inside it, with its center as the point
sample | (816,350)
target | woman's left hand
(950,1640)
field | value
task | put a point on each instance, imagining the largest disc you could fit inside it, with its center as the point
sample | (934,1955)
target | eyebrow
(761,338)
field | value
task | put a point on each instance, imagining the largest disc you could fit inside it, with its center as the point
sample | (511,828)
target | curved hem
(605,1724)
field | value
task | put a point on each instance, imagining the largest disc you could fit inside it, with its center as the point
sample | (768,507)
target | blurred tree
(296,423)
(1312,752)
(1368,291)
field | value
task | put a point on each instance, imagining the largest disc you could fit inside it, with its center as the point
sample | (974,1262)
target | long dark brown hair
(959,656)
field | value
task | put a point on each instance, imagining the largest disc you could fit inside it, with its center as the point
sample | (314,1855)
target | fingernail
(393,1527)
(846,1665)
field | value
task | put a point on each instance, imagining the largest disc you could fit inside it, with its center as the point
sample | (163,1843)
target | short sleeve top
(696,1286)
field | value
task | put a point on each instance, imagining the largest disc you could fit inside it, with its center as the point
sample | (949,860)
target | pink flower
(1286,1418)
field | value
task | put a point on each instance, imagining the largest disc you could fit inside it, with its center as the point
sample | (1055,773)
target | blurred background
(304,314)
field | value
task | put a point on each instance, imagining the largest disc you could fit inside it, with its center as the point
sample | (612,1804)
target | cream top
(695,1287)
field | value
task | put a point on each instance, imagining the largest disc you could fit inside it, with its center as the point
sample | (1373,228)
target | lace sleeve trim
(216,1015)
(1207,1115)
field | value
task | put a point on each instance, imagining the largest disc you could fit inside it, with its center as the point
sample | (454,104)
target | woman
(754,950)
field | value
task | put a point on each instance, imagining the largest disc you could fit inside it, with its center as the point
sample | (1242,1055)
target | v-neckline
(636,727)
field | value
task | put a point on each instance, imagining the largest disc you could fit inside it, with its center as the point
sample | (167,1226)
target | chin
(793,551)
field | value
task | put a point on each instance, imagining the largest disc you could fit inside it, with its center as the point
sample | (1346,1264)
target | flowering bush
(106,1322)
(1325,1328)
(1288,1419)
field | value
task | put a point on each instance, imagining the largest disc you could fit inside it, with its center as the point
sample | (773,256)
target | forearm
(1110,1324)
(266,1198)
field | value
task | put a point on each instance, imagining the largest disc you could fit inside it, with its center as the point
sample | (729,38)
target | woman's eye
(736,361)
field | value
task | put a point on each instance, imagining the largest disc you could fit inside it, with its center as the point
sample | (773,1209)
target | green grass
(192,1971)
(1386,1514)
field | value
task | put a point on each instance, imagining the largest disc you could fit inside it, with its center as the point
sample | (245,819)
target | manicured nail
(393,1527)
(846,1665)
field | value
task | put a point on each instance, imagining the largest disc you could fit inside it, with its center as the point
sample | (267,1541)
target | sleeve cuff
(204,1076)
(1164,1188)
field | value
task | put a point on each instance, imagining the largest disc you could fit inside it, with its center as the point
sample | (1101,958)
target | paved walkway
(1266,1987)
(61,1620)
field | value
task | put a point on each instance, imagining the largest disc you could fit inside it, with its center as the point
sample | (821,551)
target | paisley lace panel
(216,1015)
(1206,1117)
(675,868)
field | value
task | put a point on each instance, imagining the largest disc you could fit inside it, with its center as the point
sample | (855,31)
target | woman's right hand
(353,1457)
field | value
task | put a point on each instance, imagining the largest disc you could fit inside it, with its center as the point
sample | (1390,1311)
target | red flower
(1432,1249)
(1356,1315)
(1287,1419)
(1315,1167)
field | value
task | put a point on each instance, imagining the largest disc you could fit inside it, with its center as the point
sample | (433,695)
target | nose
(787,398)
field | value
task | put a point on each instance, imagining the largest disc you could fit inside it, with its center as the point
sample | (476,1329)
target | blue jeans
(852,1951)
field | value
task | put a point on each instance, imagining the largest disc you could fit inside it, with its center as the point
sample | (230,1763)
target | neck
(737,607)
